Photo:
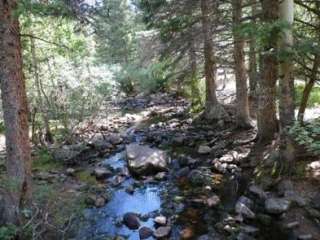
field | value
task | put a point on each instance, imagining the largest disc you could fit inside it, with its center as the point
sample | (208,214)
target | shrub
(308,135)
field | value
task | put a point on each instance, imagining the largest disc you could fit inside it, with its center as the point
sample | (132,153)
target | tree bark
(213,109)
(267,119)
(14,100)
(253,67)
(286,99)
(308,88)
(242,117)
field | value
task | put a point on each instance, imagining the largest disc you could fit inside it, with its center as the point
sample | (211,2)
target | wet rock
(277,205)
(204,149)
(243,207)
(145,232)
(101,173)
(160,220)
(131,220)
(162,232)
(143,160)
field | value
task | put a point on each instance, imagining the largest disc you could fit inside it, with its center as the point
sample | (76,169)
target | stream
(107,221)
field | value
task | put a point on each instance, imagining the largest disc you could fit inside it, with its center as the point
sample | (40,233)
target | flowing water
(106,222)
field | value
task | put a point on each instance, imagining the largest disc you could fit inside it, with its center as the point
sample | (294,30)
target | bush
(150,79)
(8,232)
(308,135)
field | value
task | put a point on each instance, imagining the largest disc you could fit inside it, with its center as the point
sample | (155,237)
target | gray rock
(277,205)
(101,173)
(204,149)
(243,207)
(131,220)
(100,202)
(257,191)
(162,232)
(143,160)
(295,197)
(315,201)
(161,220)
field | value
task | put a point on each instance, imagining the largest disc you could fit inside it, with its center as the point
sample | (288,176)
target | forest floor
(189,180)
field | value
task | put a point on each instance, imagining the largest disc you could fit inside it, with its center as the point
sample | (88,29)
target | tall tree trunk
(14,100)
(308,88)
(286,103)
(242,117)
(213,109)
(267,118)
(253,66)
(195,92)
(43,111)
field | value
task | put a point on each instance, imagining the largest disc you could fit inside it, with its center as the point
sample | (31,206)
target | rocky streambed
(175,179)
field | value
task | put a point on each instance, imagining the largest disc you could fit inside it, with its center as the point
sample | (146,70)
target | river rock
(199,177)
(204,149)
(162,232)
(161,220)
(243,206)
(277,205)
(143,160)
(101,173)
(131,220)
(145,232)
(257,191)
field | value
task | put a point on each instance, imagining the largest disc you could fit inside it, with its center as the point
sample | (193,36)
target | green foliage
(43,161)
(314,98)
(307,135)
(2,127)
(86,177)
(148,79)
(8,232)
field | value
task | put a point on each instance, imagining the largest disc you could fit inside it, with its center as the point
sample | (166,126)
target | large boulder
(143,160)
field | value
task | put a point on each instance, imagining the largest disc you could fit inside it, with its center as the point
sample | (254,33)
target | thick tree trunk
(308,88)
(243,119)
(267,119)
(286,103)
(14,100)
(213,109)
(253,67)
